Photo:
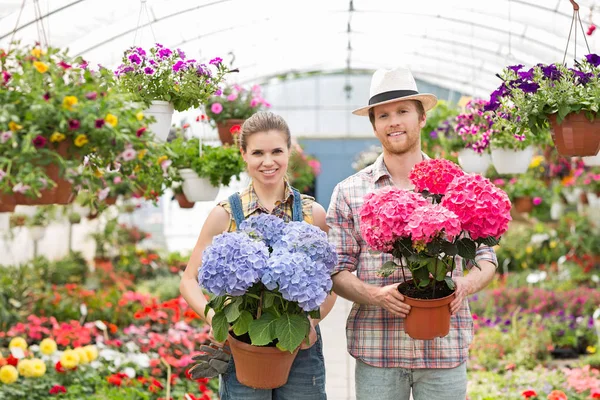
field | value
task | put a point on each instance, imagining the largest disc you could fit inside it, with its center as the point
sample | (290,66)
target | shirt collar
(254,203)
(380,170)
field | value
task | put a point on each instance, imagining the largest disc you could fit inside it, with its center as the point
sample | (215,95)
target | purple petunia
(593,59)
(148,71)
(179,65)
(529,87)
(551,72)
(134,58)
(164,53)
(216,61)
(181,54)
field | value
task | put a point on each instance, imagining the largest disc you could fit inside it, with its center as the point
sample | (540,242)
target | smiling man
(389,363)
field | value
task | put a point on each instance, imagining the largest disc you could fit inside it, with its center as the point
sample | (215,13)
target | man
(389,364)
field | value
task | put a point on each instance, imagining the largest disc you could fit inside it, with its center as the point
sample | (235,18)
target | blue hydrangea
(309,239)
(265,226)
(232,264)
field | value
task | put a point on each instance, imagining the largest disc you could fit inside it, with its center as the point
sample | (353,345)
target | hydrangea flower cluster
(385,213)
(309,239)
(482,208)
(267,227)
(428,222)
(232,264)
(434,175)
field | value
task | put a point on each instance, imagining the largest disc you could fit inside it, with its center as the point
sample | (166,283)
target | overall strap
(297,214)
(236,209)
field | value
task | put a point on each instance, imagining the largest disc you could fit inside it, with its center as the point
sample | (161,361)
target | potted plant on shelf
(278,276)
(165,80)
(228,110)
(552,98)
(475,126)
(182,200)
(448,215)
(526,192)
(439,116)
(303,170)
(203,173)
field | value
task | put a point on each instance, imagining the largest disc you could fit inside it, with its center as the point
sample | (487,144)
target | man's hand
(464,288)
(391,299)
(213,362)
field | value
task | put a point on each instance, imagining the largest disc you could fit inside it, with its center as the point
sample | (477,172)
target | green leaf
(216,303)
(232,310)
(466,249)
(563,110)
(450,249)
(450,283)
(268,300)
(243,323)
(220,326)
(315,314)
(489,241)
(262,330)
(421,275)
(291,331)
(387,269)
(438,272)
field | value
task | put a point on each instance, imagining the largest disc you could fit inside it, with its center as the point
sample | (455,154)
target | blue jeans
(396,383)
(306,380)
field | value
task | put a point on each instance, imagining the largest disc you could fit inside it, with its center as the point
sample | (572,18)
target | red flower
(64,65)
(185,126)
(56,389)
(140,131)
(12,360)
(529,393)
(39,141)
(235,129)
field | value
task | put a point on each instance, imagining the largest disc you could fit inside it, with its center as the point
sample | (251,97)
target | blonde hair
(264,121)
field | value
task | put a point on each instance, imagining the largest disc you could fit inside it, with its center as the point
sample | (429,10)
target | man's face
(398,126)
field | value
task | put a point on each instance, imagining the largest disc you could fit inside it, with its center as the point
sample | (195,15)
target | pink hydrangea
(482,208)
(434,175)
(428,222)
(384,215)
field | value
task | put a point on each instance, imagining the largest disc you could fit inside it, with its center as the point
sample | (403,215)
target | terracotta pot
(261,367)
(224,130)
(7,203)
(428,319)
(523,204)
(183,201)
(583,199)
(110,201)
(576,135)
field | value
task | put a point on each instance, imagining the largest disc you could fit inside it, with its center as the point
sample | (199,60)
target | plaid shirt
(374,335)
(251,206)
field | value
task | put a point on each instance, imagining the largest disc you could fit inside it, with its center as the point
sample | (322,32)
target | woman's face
(267,156)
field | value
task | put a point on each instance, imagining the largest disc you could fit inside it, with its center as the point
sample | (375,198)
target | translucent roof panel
(460,45)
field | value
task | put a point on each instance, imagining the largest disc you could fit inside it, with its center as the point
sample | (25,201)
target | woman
(265,144)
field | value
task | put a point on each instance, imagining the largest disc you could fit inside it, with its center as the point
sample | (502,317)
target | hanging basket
(183,201)
(162,111)
(592,161)
(473,162)
(508,161)
(427,319)
(261,367)
(224,129)
(575,135)
(196,188)
(7,203)
(523,204)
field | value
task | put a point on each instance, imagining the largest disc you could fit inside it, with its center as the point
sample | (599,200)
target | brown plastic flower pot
(224,129)
(261,367)
(110,201)
(523,204)
(7,203)
(428,319)
(183,201)
(576,135)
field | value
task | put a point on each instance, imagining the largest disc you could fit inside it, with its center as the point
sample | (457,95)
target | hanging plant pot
(557,210)
(427,319)
(110,201)
(162,111)
(523,204)
(7,203)
(261,367)
(593,200)
(575,135)
(37,232)
(196,188)
(224,129)
(508,161)
(473,162)
(183,201)
(593,161)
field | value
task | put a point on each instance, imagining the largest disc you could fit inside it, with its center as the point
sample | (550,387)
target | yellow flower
(161,159)
(176,87)
(47,346)
(98,173)
(69,359)
(18,342)
(91,351)
(69,102)
(524,264)
(591,349)
(81,140)
(8,374)
(38,368)
(111,120)
(37,53)
(40,66)
(139,116)
(57,137)
(536,161)
(552,244)
(529,250)
(83,358)
(25,368)
(13,126)
(142,153)
(137,168)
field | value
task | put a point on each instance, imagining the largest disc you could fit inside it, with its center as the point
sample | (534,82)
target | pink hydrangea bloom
(385,213)
(482,207)
(429,221)
(434,175)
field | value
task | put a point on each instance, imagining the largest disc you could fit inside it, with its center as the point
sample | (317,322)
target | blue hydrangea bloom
(232,264)
(309,239)
(265,226)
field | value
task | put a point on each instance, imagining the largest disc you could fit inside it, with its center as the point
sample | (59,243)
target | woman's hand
(312,337)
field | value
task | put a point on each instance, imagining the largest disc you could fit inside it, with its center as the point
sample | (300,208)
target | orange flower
(557,395)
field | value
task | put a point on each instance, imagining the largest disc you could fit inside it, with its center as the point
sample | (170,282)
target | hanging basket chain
(576,19)
(12,38)
(143,9)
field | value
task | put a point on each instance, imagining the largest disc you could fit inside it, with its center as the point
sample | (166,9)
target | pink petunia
(216,108)
(128,155)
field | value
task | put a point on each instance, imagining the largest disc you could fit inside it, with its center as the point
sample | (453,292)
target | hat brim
(428,100)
